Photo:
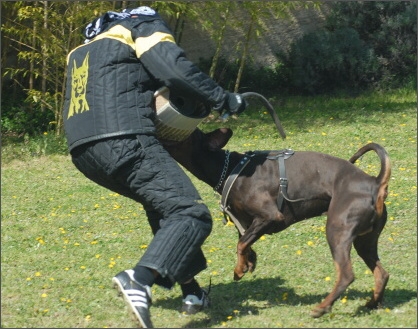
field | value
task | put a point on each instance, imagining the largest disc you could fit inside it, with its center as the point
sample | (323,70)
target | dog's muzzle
(177,116)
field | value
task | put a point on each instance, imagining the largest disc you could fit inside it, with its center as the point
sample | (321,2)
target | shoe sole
(132,310)
(192,309)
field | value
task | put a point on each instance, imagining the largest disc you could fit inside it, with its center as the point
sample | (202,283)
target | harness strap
(283,181)
(227,188)
(237,223)
(233,176)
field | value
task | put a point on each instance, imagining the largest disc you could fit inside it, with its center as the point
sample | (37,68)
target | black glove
(234,103)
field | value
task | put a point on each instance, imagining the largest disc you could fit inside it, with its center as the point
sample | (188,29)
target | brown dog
(317,183)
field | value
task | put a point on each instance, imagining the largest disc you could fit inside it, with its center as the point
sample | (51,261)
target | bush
(324,61)
(19,118)
(363,45)
(390,29)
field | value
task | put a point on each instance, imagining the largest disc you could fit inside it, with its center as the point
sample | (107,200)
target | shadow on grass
(249,297)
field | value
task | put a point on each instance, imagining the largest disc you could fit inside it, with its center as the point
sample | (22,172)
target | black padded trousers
(139,168)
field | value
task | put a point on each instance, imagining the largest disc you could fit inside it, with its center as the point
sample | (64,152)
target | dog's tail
(384,175)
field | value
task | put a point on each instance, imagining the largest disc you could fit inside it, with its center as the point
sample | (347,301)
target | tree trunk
(44,55)
(32,61)
(219,42)
(244,54)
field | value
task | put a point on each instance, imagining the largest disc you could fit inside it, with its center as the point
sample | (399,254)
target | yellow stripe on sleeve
(143,44)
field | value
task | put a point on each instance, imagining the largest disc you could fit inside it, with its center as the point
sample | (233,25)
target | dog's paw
(238,274)
(372,304)
(320,311)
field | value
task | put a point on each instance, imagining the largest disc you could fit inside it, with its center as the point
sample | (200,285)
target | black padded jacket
(111,80)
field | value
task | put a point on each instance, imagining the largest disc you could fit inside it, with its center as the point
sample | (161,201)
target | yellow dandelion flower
(214,273)
(41,241)
(52,279)
(327,278)
(76,244)
(235,311)
(144,246)
(209,261)
(28,279)
(223,324)
(97,256)
(94,242)
(323,134)
(367,271)
(262,237)
(38,274)
(88,317)
(310,243)
(387,310)
(45,310)
(82,267)
(69,300)
(229,317)
(299,252)
(66,269)
(344,300)
(44,295)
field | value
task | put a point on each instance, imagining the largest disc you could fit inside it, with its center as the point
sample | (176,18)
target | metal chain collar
(225,168)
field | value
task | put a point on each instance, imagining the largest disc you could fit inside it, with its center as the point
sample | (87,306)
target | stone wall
(277,36)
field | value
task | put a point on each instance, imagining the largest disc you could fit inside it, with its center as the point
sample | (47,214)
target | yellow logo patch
(80,75)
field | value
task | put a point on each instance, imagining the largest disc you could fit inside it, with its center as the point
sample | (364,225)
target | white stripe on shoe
(137,297)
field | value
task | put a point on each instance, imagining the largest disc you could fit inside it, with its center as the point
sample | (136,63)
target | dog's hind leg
(366,247)
(340,239)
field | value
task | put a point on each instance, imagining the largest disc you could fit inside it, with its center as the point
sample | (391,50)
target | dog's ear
(218,138)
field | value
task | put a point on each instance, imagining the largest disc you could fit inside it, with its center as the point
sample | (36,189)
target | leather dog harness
(280,157)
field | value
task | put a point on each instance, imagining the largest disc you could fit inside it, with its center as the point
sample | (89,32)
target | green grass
(63,238)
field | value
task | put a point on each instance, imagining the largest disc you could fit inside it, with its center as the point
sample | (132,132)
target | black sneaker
(136,295)
(192,304)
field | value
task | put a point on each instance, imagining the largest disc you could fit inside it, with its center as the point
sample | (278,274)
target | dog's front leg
(246,256)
